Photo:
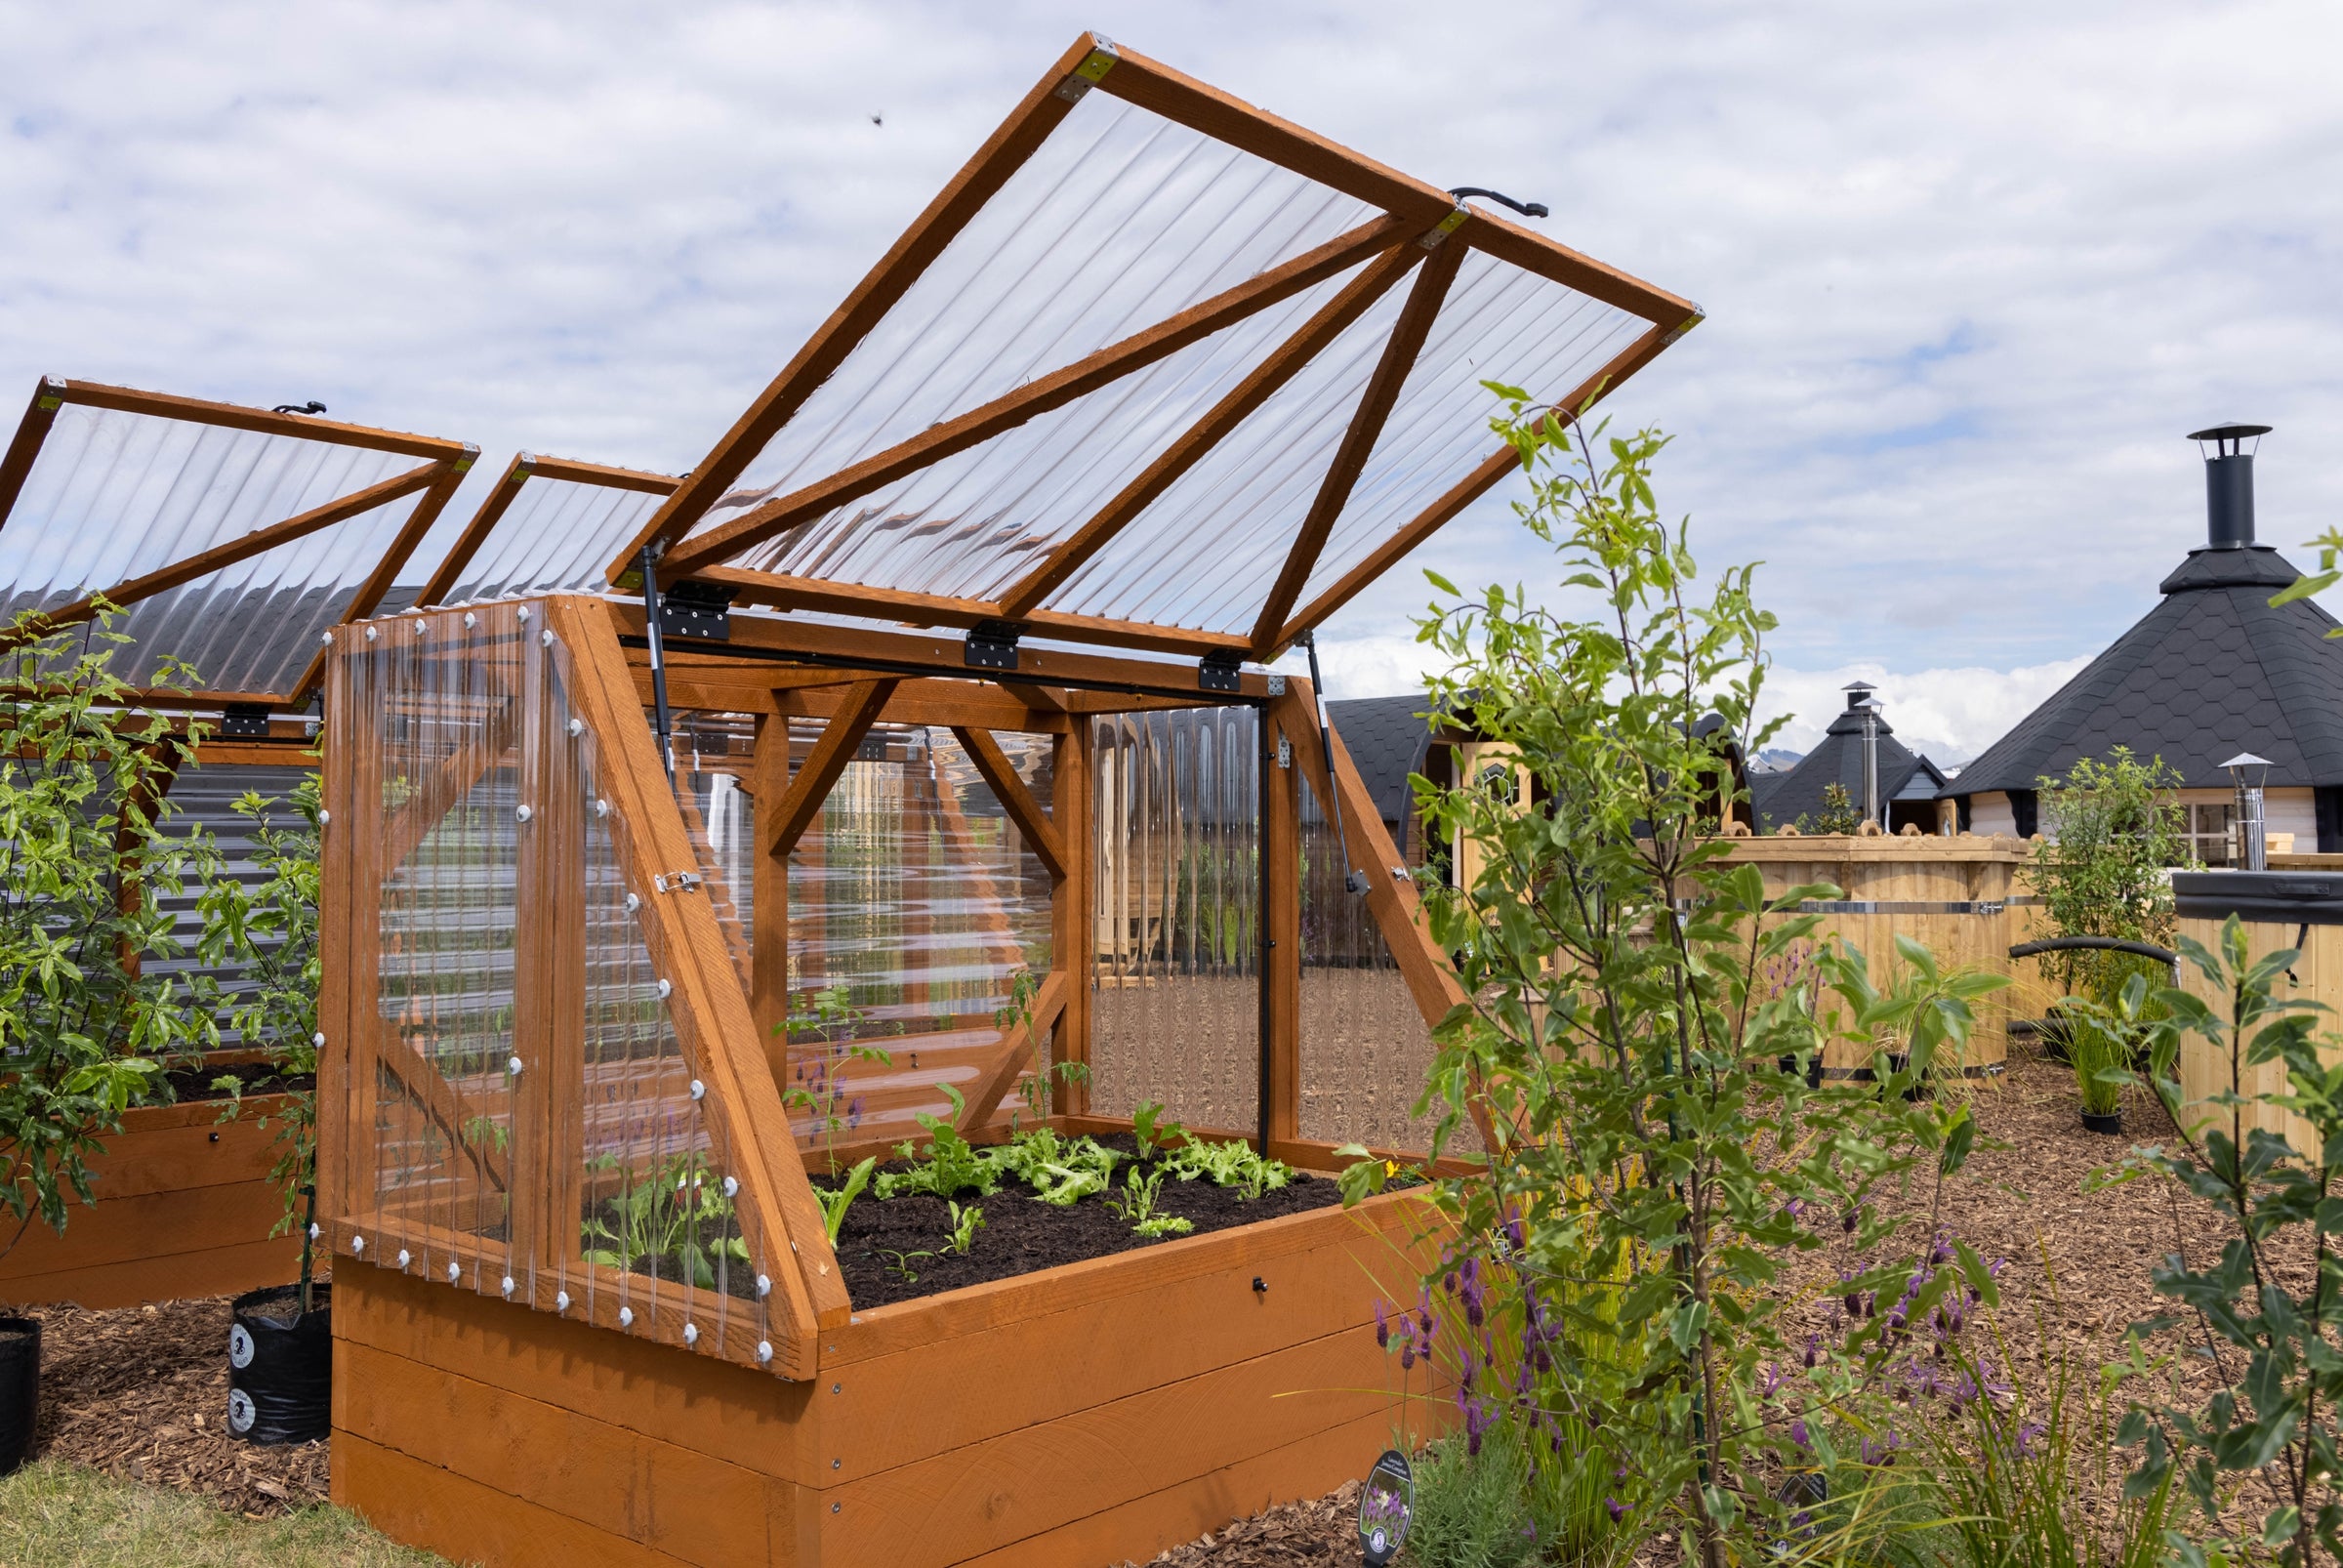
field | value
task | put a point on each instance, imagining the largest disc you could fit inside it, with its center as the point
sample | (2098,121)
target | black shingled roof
(1783,798)
(2212,671)
(1387,739)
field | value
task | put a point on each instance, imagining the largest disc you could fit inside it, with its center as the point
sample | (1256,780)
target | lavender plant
(1619,1259)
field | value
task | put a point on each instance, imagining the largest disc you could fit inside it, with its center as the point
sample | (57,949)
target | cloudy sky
(1971,270)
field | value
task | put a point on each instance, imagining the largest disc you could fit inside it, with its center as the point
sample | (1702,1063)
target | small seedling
(1154,1132)
(965,1222)
(950,1165)
(899,1264)
(836,1203)
(816,1086)
(1135,1204)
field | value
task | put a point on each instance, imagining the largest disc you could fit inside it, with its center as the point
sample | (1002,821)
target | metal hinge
(1222,670)
(992,646)
(244,720)
(697,609)
(676,882)
(1284,751)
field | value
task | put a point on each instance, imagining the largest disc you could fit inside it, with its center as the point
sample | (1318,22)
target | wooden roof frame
(1418,222)
(441,467)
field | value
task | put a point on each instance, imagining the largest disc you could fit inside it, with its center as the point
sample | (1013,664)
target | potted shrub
(280,1345)
(2111,836)
(85,1028)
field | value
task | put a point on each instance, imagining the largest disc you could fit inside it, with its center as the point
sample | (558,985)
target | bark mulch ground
(141,1392)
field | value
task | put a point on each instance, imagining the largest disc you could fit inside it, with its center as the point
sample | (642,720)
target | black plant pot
(280,1366)
(19,1389)
(1896,1062)
(1814,1069)
(2111,1123)
(2052,1032)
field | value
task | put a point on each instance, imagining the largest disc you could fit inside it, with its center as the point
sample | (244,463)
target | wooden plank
(769,905)
(15,465)
(908,652)
(226,554)
(1465,491)
(995,1493)
(475,534)
(1139,1530)
(235,416)
(228,1271)
(198,1152)
(1366,427)
(1275,369)
(936,610)
(423,1505)
(840,738)
(1281,865)
(1053,389)
(1003,153)
(1040,832)
(662,1392)
(347,969)
(711,1011)
(1070,899)
(154,1224)
(1138,1340)
(995,1082)
(674,1499)
(948,703)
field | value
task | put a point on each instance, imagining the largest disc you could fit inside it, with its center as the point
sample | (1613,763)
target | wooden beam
(386,570)
(48,397)
(228,554)
(444,788)
(1045,699)
(769,904)
(1274,371)
(1281,976)
(1152,85)
(235,416)
(1008,1064)
(475,532)
(1003,153)
(1041,834)
(1037,396)
(840,738)
(1366,427)
(938,609)
(823,642)
(1465,491)
(1073,926)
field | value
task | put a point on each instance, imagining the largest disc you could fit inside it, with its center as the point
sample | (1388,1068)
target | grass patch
(66,1516)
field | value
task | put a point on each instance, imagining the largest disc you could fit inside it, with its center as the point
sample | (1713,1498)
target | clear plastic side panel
(1175,1010)
(540,1127)
(1365,1047)
(915,907)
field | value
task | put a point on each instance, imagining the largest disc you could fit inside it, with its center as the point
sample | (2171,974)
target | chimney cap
(2231,431)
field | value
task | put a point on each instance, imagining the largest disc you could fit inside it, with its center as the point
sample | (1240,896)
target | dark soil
(141,1392)
(255,1077)
(1023,1234)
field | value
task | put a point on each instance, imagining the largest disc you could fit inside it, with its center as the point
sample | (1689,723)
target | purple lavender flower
(2027,1435)
(1382,1326)
(1618,1512)
(1797,1432)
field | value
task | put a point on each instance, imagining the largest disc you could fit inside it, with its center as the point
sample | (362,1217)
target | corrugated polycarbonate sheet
(1120,219)
(556,538)
(115,495)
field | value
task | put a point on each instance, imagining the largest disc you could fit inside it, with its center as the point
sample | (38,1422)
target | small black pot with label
(19,1389)
(2111,1123)
(280,1366)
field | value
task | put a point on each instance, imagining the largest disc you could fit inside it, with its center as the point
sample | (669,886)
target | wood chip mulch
(141,1392)
(1312,1534)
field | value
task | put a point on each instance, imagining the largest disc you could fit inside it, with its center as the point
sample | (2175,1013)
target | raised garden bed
(185,1207)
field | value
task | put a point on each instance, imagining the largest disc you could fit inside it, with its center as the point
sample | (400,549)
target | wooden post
(1281,972)
(768,936)
(1072,937)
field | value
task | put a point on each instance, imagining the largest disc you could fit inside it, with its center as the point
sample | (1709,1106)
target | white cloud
(1947,715)
(1971,270)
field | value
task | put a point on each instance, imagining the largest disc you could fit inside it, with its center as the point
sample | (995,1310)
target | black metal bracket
(992,646)
(1222,670)
(244,720)
(697,609)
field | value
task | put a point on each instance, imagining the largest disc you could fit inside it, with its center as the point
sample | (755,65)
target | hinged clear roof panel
(1156,368)
(547,527)
(233,538)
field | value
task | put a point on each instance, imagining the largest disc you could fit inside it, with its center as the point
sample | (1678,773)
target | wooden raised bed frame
(185,1207)
(1079,1414)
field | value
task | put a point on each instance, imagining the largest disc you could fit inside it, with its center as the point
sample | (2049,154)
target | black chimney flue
(2229,483)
